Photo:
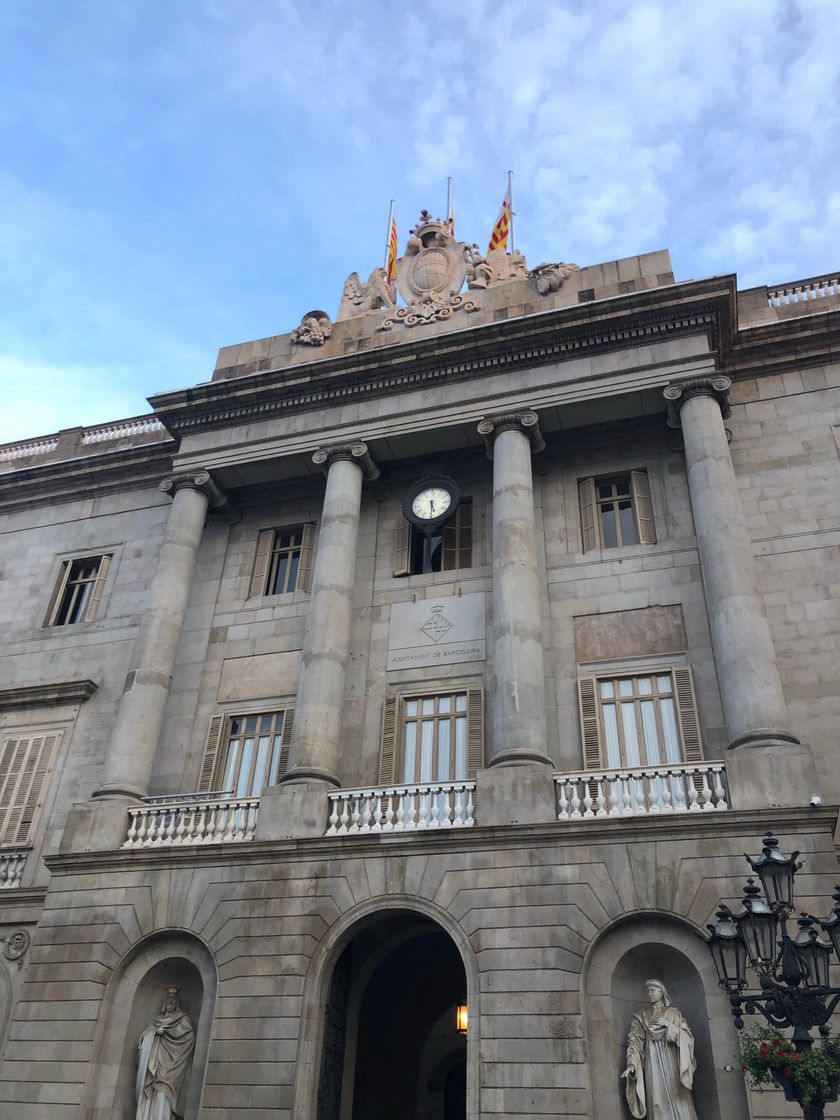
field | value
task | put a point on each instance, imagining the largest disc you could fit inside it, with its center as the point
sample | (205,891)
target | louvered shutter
(402,547)
(687,710)
(640,487)
(388,747)
(588,514)
(304,575)
(475,731)
(259,575)
(26,764)
(465,534)
(590,730)
(449,544)
(211,754)
(98,588)
(57,594)
(285,744)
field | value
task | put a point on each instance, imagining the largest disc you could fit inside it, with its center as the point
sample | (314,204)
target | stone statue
(550,277)
(660,1060)
(164,1052)
(358,298)
(314,330)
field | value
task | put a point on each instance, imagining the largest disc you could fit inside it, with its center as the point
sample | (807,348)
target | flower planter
(793,1092)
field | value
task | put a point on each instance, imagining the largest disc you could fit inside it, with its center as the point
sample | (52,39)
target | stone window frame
(639,483)
(96,605)
(263,552)
(29,757)
(590,709)
(404,532)
(393,724)
(214,757)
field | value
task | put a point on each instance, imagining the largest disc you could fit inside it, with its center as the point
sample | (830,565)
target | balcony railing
(646,791)
(191,819)
(11,868)
(820,287)
(402,808)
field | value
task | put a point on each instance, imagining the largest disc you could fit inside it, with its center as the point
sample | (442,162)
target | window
(616,511)
(25,761)
(78,592)
(283,562)
(450,546)
(432,737)
(638,720)
(246,753)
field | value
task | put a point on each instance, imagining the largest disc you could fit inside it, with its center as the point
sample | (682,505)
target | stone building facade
(453,652)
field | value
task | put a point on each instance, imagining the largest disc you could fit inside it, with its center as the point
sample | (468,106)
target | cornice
(795,343)
(698,307)
(48,695)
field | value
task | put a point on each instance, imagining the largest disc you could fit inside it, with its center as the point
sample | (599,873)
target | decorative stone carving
(660,1060)
(430,309)
(354,452)
(433,264)
(16,945)
(497,267)
(551,277)
(195,480)
(358,298)
(314,330)
(164,1053)
(527,422)
(681,391)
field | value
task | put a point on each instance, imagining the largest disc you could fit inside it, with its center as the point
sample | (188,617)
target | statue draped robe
(663,1059)
(164,1052)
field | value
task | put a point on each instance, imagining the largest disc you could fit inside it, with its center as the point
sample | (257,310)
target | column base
(310,776)
(766,772)
(294,810)
(121,792)
(97,826)
(515,795)
(762,737)
(521,756)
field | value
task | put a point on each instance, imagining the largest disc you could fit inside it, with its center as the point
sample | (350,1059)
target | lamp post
(793,971)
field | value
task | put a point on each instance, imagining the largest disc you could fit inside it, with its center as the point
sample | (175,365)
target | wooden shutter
(98,588)
(26,763)
(388,747)
(640,489)
(211,754)
(58,592)
(475,731)
(285,744)
(457,539)
(304,574)
(402,547)
(589,514)
(259,575)
(589,726)
(687,711)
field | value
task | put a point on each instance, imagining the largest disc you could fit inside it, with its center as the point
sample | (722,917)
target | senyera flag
(499,236)
(391,251)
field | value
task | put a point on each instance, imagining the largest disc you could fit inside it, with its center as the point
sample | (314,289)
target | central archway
(381,1021)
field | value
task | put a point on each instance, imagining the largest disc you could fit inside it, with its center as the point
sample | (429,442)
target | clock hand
(431,505)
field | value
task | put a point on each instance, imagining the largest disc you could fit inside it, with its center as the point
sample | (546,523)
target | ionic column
(751,689)
(314,749)
(131,752)
(518,700)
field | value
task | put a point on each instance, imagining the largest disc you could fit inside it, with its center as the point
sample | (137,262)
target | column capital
(194,480)
(526,422)
(679,392)
(349,452)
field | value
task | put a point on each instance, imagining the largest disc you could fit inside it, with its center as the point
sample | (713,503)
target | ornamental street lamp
(793,972)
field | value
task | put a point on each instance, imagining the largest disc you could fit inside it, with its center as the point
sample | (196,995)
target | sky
(180,175)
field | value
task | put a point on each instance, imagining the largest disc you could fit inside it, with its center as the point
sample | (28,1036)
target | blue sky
(178,175)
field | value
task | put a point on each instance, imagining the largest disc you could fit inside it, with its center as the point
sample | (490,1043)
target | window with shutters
(450,546)
(432,737)
(78,592)
(246,753)
(26,760)
(283,561)
(640,719)
(616,511)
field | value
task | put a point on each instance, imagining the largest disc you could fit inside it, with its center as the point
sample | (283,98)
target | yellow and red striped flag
(391,251)
(499,236)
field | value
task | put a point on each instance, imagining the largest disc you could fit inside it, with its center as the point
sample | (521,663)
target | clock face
(431,503)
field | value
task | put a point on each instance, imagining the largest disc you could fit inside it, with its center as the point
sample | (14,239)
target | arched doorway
(390,1044)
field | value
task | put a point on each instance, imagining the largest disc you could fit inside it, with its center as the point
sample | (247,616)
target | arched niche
(663,947)
(132,1000)
(370,921)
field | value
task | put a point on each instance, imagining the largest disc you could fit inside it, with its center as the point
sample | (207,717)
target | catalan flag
(391,250)
(499,236)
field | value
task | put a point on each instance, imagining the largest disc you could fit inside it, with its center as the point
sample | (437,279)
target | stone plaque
(437,632)
(265,674)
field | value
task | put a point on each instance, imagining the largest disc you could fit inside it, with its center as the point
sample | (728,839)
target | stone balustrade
(643,791)
(120,429)
(402,808)
(23,450)
(12,864)
(189,820)
(820,287)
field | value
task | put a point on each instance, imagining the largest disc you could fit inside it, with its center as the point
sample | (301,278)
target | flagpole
(388,233)
(449,215)
(512,213)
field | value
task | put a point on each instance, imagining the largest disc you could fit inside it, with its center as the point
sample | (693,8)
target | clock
(430,502)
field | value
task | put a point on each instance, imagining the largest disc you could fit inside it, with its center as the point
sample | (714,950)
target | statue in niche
(164,1053)
(660,1060)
